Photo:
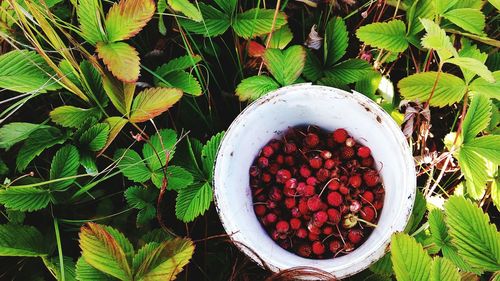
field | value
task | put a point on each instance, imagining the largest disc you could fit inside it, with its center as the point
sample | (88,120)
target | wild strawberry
(367,162)
(301,233)
(313,203)
(291,183)
(334,216)
(275,194)
(312,181)
(355,235)
(275,144)
(303,209)
(271,218)
(304,171)
(344,189)
(334,199)
(311,140)
(289,148)
(254,171)
(318,248)
(289,160)
(325,154)
(334,184)
(335,245)
(364,152)
(329,164)
(367,196)
(315,162)
(313,228)
(283,175)
(295,223)
(371,178)
(263,162)
(340,135)
(275,235)
(313,236)
(280,159)
(327,230)
(295,212)
(355,206)
(282,226)
(309,191)
(260,210)
(290,202)
(320,218)
(355,181)
(323,174)
(266,177)
(378,204)
(349,221)
(273,168)
(267,151)
(304,250)
(347,152)
(367,213)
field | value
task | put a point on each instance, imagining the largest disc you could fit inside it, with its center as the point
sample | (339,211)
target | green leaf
(24,72)
(285,66)
(254,87)
(313,70)
(349,71)
(228,6)
(188,9)
(443,270)
(178,178)
(439,231)
(94,81)
(64,164)
(160,145)
(336,41)
(182,80)
(15,217)
(95,137)
(281,38)
(487,147)
(132,166)
(21,241)
(471,20)
(419,9)
(180,63)
(37,142)
(496,4)
(209,153)
(449,89)
(409,260)
(193,201)
(214,22)
(383,266)
(54,266)
(157,235)
(126,18)
(417,213)
(256,22)
(441,6)
(158,262)
(369,84)
(450,252)
(102,251)
(120,93)
(390,36)
(152,102)
(491,90)
(473,167)
(473,65)
(71,116)
(436,39)
(477,240)
(477,118)
(90,17)
(470,51)
(144,200)
(121,59)
(24,199)
(86,272)
(116,124)
(14,132)
(88,162)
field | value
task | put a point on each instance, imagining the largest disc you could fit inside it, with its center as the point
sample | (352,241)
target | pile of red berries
(316,193)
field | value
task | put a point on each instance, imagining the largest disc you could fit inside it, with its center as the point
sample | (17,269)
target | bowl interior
(328,108)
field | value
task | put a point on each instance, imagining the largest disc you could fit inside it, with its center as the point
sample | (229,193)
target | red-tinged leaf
(153,102)
(126,18)
(255,49)
(121,59)
(116,124)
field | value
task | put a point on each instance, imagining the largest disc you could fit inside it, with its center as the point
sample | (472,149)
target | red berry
(301,233)
(355,181)
(334,184)
(311,140)
(327,230)
(355,235)
(313,229)
(325,154)
(329,164)
(290,148)
(267,151)
(295,223)
(260,210)
(289,160)
(334,216)
(288,192)
(254,171)
(378,204)
(323,174)
(263,162)
(275,235)
(320,217)
(304,250)
(347,152)
(266,177)
(335,245)
(282,226)
(314,203)
(367,213)
(334,199)
(275,144)
(340,135)
(343,189)
(290,202)
(303,209)
(315,162)
(364,152)
(312,236)
(312,181)
(271,218)
(367,162)
(367,196)
(318,248)
(275,194)
(304,171)
(280,159)
(283,175)
(371,178)
(309,191)
(273,168)
(295,212)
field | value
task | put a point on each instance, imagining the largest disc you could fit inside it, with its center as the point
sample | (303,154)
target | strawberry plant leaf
(436,38)
(439,231)
(441,6)
(64,164)
(495,192)
(54,266)
(349,71)
(185,7)
(177,178)
(15,132)
(37,142)
(477,118)
(152,102)
(369,84)
(160,145)
(285,66)
(21,241)
(120,93)
(161,261)
(418,9)
(95,137)
(256,22)
(193,201)
(443,270)
(477,240)
(281,38)
(313,69)
(214,22)
(487,147)
(254,87)
(491,90)
(390,35)
(102,251)
(474,170)
(470,51)
(90,18)
(471,20)
(182,80)
(126,18)
(449,89)
(383,266)
(72,116)
(132,165)
(180,63)
(409,260)
(116,124)
(474,66)
(85,271)
(209,153)
(144,200)
(25,199)
(228,6)
(336,41)
(24,72)
(417,213)
(121,59)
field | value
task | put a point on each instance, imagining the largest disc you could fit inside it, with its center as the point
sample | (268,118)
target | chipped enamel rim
(329,108)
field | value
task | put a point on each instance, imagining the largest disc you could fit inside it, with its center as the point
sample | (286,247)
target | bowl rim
(375,254)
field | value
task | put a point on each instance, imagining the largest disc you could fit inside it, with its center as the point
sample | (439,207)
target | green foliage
(153,102)
(471,20)
(193,201)
(285,66)
(15,132)
(281,38)
(390,35)
(72,116)
(172,74)
(254,87)
(214,22)
(95,137)
(24,198)
(436,38)
(418,212)
(477,117)
(443,270)
(336,41)
(121,59)
(409,260)
(64,165)
(36,143)
(188,9)
(21,241)
(89,16)
(142,199)
(486,88)
(126,18)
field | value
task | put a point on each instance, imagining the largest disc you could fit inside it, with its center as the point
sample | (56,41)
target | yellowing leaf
(126,18)
(115,126)
(185,7)
(153,102)
(122,60)
(90,18)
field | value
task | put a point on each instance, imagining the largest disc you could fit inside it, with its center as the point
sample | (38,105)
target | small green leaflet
(349,71)
(285,66)
(281,38)
(209,153)
(474,66)
(71,116)
(193,201)
(185,7)
(390,35)
(477,118)
(144,200)
(471,20)
(85,271)
(132,165)
(152,102)
(126,18)
(178,178)
(254,87)
(21,241)
(121,59)
(409,260)
(417,213)
(336,41)
(95,137)
(90,20)
(486,88)
(25,199)
(214,22)
(160,145)
(15,132)
(474,169)
(436,38)
(64,165)
(443,270)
